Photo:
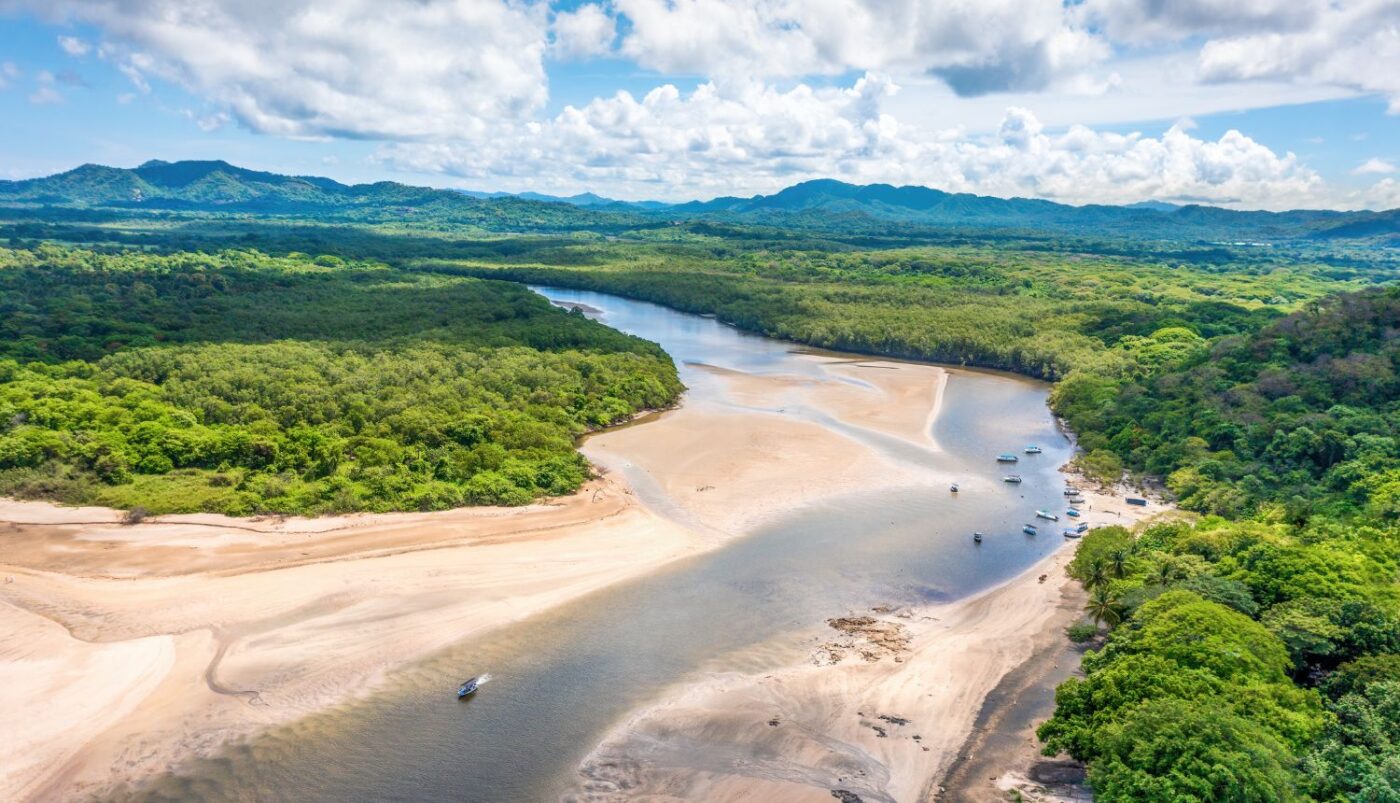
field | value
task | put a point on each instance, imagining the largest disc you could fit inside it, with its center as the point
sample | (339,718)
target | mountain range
(820,205)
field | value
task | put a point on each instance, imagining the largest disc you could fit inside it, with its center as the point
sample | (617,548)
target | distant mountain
(823,207)
(582,199)
(219,187)
(837,201)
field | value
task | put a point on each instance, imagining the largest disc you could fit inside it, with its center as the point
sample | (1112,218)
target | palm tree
(1096,575)
(1118,562)
(1163,573)
(1103,609)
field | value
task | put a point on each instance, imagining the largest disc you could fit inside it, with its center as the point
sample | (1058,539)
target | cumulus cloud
(586,31)
(1374,167)
(1344,43)
(1348,47)
(74,46)
(46,92)
(1139,21)
(977,48)
(724,140)
(9,71)
(353,68)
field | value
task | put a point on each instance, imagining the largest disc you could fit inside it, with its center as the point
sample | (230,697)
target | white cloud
(45,93)
(979,47)
(1351,44)
(725,140)
(1146,21)
(1374,167)
(352,68)
(74,46)
(9,72)
(586,31)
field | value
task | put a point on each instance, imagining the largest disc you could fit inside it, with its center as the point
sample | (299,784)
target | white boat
(977,537)
(1045,514)
(1011,478)
(1071,533)
(470,685)
(1033,450)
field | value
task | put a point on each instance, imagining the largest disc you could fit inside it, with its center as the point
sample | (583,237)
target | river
(560,680)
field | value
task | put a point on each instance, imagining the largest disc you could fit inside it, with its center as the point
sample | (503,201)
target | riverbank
(200,630)
(883,709)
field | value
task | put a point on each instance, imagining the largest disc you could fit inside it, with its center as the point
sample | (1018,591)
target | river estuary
(562,679)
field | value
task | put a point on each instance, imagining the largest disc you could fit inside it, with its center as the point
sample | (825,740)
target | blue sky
(1100,100)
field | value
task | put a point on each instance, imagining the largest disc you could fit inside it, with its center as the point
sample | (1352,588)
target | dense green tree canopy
(238,382)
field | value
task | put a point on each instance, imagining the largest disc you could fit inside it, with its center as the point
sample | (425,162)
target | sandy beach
(880,711)
(204,629)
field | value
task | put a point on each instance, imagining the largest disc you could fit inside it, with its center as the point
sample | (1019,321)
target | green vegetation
(241,383)
(1301,418)
(193,354)
(1042,314)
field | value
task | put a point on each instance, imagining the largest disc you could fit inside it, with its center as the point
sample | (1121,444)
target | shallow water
(560,680)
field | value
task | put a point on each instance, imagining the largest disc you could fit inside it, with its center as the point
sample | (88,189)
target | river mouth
(563,678)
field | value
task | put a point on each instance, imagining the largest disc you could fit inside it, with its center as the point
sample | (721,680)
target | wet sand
(203,629)
(882,709)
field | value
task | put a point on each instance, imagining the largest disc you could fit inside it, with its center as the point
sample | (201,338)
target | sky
(1257,104)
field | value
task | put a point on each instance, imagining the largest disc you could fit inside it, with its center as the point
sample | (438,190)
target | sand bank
(203,629)
(882,710)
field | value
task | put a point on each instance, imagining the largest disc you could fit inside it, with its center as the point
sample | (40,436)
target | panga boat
(953,487)
(1033,450)
(469,687)
(1071,492)
(1007,458)
(1029,529)
(1011,478)
(1071,533)
(1072,512)
(977,537)
(1083,527)
(1045,514)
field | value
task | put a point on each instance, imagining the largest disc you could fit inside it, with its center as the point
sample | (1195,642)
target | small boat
(1071,533)
(977,537)
(1045,514)
(1029,529)
(1082,528)
(953,488)
(1033,450)
(1072,512)
(1133,500)
(1011,478)
(1007,458)
(1071,492)
(468,687)
(1078,500)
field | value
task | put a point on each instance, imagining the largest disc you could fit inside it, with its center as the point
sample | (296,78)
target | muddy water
(561,679)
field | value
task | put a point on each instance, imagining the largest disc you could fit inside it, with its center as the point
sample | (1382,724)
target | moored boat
(1007,458)
(1071,533)
(1029,529)
(953,488)
(977,537)
(1033,450)
(1072,512)
(1045,514)
(1011,478)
